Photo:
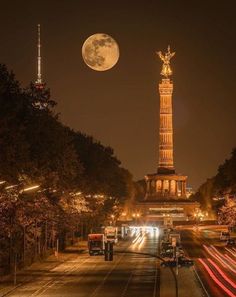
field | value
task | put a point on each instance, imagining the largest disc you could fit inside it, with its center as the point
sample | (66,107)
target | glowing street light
(10,187)
(29,188)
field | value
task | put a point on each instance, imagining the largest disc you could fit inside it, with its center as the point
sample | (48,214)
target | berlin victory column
(166,190)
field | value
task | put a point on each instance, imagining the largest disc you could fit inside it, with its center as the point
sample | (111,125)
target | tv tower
(39,82)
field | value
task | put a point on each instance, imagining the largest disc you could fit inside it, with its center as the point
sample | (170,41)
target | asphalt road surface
(214,262)
(128,275)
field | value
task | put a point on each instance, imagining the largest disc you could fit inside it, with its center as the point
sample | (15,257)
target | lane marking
(201,283)
(52,282)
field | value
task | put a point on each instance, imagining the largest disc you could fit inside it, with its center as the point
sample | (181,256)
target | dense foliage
(77,182)
(227,213)
(217,191)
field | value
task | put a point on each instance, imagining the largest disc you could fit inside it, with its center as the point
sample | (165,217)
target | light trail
(231,261)
(218,256)
(225,277)
(136,238)
(142,241)
(231,252)
(139,241)
(214,278)
(215,256)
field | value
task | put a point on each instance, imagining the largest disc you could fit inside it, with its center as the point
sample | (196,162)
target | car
(166,245)
(182,261)
(168,253)
(169,263)
(224,235)
(230,242)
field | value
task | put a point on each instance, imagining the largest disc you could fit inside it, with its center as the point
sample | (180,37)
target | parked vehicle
(166,245)
(169,263)
(121,232)
(167,253)
(224,235)
(170,252)
(96,244)
(110,233)
(182,261)
(174,236)
(231,242)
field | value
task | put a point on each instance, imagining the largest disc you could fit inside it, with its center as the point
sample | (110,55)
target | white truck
(111,234)
(96,244)
(174,238)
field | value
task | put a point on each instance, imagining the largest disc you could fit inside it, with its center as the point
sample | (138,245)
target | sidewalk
(187,283)
(25,275)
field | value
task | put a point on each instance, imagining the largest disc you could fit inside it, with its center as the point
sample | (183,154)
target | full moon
(100,52)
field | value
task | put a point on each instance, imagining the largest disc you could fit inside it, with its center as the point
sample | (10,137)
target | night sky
(120,106)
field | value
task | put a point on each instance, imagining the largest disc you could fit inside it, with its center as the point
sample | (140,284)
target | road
(214,262)
(90,276)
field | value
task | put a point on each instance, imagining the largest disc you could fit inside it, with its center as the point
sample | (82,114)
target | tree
(78,179)
(219,186)
(14,149)
(205,194)
(225,179)
(227,213)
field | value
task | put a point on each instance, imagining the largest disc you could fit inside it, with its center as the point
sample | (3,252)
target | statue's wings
(172,55)
(161,56)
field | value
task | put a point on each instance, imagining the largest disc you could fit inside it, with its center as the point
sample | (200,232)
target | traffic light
(108,251)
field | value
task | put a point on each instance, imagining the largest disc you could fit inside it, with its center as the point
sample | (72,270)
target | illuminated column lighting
(166,161)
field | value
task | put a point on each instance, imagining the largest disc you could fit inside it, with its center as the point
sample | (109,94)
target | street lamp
(136,215)
(112,219)
(199,215)
(29,188)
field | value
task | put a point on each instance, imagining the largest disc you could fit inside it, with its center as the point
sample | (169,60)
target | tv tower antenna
(39,82)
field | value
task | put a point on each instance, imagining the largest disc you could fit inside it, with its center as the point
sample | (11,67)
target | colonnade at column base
(165,186)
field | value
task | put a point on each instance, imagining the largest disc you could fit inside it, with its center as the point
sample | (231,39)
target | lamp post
(136,216)
(112,220)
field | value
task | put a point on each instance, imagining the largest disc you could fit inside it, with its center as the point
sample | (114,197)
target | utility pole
(15,266)
(46,236)
(57,249)
(24,244)
(108,254)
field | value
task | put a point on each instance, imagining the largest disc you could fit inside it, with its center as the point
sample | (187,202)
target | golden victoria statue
(166,70)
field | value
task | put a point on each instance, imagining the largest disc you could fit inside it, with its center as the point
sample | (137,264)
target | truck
(96,244)
(111,234)
(121,232)
(174,238)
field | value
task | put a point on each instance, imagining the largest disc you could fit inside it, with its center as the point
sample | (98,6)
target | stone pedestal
(169,186)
